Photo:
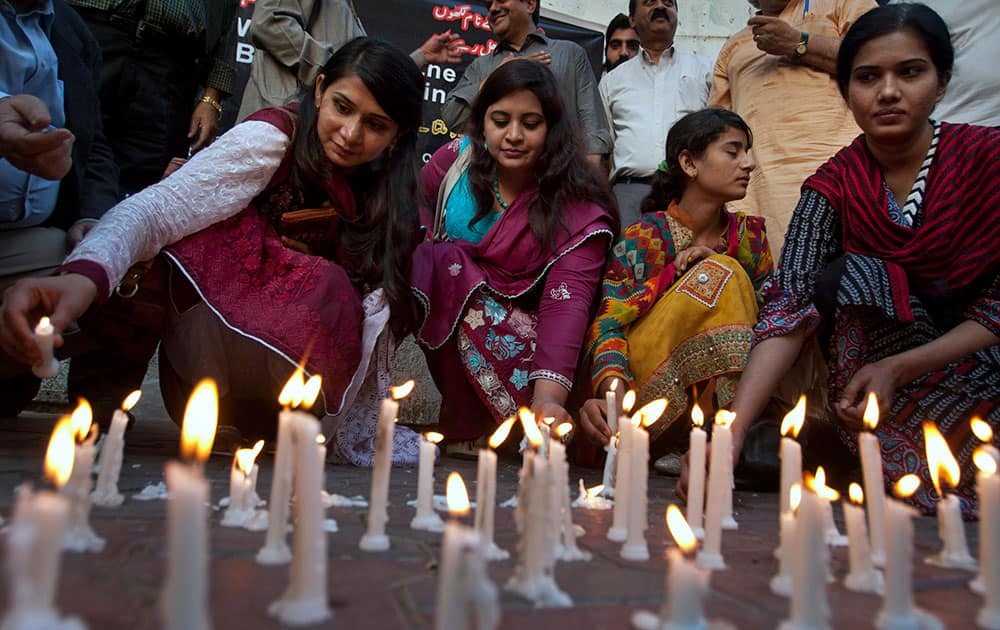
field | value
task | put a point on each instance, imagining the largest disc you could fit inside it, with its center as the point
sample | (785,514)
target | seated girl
(288,240)
(679,296)
(891,259)
(521,233)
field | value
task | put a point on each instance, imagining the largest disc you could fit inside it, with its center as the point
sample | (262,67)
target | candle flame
(628,401)
(985,462)
(563,429)
(44,322)
(501,433)
(651,411)
(320,439)
(614,385)
(530,427)
(817,483)
(131,400)
(697,416)
(548,421)
(940,460)
(311,390)
(245,456)
(795,418)
(795,496)
(433,437)
(856,494)
(402,391)
(593,492)
(981,429)
(81,420)
(59,454)
(870,415)
(291,393)
(200,419)
(906,486)
(724,417)
(457,496)
(680,529)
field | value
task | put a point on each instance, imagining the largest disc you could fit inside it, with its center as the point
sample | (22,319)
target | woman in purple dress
(521,232)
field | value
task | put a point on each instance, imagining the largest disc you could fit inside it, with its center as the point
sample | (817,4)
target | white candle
(48,367)
(106,494)
(791,452)
(696,481)
(486,480)
(809,607)
(375,538)
(719,490)
(623,481)
(988,489)
(871,471)
(566,548)
(79,535)
(611,401)
(781,584)
(635,543)
(426,518)
(305,600)
(610,462)
(184,602)
(242,487)
(276,549)
(861,576)
(944,468)
(898,610)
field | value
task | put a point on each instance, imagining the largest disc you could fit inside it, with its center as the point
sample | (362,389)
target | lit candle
(988,489)
(791,451)
(534,574)
(727,520)
(184,603)
(375,538)
(486,492)
(426,518)
(696,480)
(79,535)
(34,543)
(861,576)
(831,534)
(635,547)
(305,600)
(45,337)
(781,584)
(623,476)
(608,478)
(106,494)
(566,547)
(464,591)
(871,471)
(242,487)
(276,549)
(942,463)
(719,490)
(982,430)
(809,606)
(898,610)
(611,400)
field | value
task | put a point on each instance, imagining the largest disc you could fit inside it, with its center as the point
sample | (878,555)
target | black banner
(407,24)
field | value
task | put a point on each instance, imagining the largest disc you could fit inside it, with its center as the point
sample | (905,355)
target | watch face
(800,49)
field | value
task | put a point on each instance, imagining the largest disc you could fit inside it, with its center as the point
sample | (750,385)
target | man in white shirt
(643,98)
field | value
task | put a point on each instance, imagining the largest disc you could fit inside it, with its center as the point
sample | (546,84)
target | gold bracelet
(214,103)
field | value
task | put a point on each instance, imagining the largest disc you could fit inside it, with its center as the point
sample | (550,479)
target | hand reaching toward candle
(62,298)
(593,421)
(882,378)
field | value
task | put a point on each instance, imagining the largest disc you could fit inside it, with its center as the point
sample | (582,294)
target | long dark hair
(562,170)
(919,19)
(692,134)
(380,241)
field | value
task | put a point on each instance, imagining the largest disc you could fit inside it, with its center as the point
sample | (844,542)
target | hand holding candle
(48,367)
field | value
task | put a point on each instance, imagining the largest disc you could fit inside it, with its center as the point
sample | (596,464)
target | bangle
(214,103)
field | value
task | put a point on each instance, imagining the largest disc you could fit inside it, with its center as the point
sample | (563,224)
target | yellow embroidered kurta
(798,118)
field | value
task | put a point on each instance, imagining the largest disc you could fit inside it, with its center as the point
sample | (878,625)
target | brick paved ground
(119,587)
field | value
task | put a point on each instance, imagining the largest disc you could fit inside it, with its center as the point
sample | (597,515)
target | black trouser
(148,86)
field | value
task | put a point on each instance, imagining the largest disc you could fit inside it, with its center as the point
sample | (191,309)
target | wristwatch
(803,44)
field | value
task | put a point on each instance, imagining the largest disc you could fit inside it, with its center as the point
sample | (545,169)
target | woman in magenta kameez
(521,232)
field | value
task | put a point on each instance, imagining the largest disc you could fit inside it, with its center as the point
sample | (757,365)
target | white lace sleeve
(214,185)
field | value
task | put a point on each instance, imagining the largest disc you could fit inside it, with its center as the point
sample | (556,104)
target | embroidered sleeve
(813,240)
(214,185)
(628,291)
(564,311)
(986,308)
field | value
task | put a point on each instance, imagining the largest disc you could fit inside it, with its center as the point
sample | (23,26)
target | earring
(486,147)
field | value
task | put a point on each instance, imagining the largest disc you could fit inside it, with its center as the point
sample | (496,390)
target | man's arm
(221,78)
(459,101)
(589,107)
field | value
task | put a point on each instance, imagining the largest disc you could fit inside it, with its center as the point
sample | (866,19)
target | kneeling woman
(522,229)
(289,239)
(679,297)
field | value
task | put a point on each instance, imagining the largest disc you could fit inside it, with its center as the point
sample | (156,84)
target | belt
(631,179)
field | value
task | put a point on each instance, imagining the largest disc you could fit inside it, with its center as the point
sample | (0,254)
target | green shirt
(210,21)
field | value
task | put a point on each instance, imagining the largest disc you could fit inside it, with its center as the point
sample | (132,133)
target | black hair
(562,170)
(692,134)
(380,240)
(619,22)
(919,19)
(631,7)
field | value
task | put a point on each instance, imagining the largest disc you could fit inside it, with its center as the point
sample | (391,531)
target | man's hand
(62,298)
(204,123)
(444,47)
(25,143)
(774,36)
